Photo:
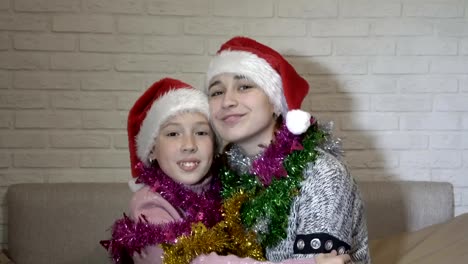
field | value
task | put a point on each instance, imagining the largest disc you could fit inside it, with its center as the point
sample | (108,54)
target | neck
(201,186)
(257,143)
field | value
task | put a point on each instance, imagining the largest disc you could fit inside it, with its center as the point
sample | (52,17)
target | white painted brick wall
(5,42)
(428,84)
(24,61)
(26,139)
(83,23)
(45,80)
(308,8)
(243,8)
(44,42)
(179,7)
(114,6)
(431,9)
(47,5)
(392,75)
(67,140)
(5,79)
(150,25)
(369,8)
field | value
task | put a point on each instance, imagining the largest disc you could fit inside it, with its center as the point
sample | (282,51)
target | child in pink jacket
(171,148)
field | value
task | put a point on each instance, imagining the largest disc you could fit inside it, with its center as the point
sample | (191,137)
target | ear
(153,152)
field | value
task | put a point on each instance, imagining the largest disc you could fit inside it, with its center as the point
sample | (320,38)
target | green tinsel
(273,203)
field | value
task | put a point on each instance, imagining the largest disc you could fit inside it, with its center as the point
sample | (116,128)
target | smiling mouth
(188,165)
(232,119)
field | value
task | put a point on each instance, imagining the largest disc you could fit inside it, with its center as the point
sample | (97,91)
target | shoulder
(327,165)
(146,194)
(328,172)
(152,205)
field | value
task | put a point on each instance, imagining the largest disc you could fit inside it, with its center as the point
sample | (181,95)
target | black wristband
(319,243)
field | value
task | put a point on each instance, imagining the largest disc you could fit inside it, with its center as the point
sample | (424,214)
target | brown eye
(172,134)
(245,87)
(215,93)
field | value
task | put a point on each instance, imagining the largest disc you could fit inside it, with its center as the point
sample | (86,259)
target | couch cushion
(62,223)
(405,206)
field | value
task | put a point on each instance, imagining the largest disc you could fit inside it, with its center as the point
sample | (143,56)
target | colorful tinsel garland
(263,197)
(226,237)
(129,236)
(249,198)
(274,182)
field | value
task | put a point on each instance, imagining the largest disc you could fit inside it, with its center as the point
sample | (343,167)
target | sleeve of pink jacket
(231,259)
(157,210)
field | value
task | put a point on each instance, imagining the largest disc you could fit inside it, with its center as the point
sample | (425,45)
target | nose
(189,144)
(229,98)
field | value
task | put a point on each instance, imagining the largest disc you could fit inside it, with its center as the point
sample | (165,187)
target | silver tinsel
(242,164)
(261,225)
(238,161)
(332,144)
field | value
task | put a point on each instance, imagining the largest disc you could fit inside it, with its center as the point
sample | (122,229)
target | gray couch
(63,223)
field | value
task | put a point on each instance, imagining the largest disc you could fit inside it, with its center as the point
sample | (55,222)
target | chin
(191,181)
(231,135)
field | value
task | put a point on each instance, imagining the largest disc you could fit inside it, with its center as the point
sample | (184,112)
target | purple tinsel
(129,236)
(270,163)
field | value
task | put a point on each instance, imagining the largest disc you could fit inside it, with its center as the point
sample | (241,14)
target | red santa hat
(269,70)
(163,100)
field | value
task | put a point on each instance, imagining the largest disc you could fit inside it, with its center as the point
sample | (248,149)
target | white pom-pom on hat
(297,121)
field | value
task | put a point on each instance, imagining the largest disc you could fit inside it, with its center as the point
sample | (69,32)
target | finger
(345,257)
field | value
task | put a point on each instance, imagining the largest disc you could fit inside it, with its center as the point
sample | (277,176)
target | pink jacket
(158,210)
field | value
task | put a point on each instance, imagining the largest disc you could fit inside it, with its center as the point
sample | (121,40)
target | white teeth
(188,165)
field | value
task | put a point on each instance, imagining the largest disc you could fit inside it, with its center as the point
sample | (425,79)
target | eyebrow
(180,125)
(170,124)
(213,84)
(202,123)
(236,77)
(240,77)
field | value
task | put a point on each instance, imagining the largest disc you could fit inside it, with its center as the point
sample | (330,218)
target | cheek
(214,105)
(163,152)
(207,146)
(265,106)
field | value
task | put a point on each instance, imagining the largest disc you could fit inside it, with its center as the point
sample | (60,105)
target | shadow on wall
(328,100)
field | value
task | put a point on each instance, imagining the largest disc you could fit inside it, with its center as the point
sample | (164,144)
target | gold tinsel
(226,237)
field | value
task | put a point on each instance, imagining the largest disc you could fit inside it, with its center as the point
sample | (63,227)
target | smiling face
(241,112)
(184,147)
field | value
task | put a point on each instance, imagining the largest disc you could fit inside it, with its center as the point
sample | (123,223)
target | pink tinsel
(270,164)
(129,236)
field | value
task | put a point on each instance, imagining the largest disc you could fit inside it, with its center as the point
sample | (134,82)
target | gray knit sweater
(327,214)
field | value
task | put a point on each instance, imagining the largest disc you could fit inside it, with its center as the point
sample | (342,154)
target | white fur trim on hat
(255,69)
(297,121)
(166,106)
(134,187)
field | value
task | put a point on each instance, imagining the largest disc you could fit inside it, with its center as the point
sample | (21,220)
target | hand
(332,258)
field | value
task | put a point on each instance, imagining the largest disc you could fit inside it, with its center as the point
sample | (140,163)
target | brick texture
(392,75)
